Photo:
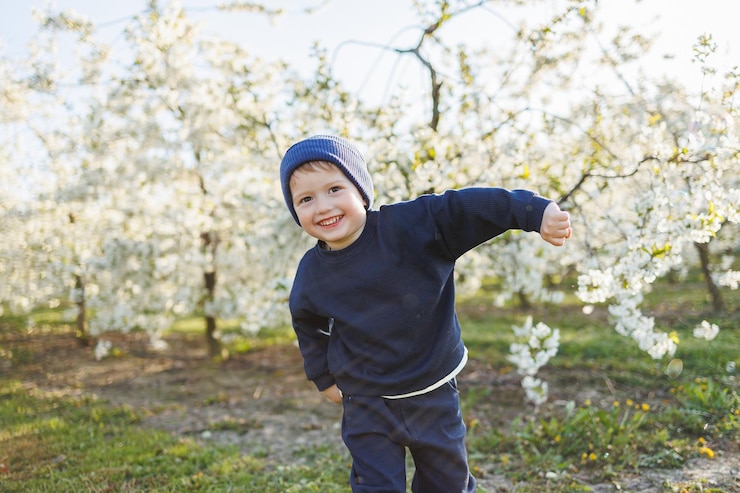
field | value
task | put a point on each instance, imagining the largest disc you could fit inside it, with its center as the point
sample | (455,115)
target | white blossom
(102,349)
(541,344)
(706,330)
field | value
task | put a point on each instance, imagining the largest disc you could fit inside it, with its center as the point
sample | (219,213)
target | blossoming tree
(160,197)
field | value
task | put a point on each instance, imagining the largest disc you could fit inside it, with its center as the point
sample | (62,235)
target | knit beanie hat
(332,149)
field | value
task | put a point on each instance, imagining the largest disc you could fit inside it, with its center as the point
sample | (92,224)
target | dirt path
(261,401)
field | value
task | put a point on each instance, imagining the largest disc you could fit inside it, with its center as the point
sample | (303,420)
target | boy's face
(329,206)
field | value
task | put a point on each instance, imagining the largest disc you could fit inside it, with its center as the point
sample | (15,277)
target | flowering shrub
(540,344)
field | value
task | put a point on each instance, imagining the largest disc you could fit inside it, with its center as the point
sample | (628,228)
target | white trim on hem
(436,384)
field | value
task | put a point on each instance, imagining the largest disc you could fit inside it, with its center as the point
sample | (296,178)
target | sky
(339,25)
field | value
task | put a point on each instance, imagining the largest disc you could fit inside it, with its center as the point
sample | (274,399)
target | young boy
(373,307)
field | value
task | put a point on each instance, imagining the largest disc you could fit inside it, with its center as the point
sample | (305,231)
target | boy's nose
(323,204)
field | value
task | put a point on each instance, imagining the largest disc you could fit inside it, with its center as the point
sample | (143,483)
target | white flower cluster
(102,349)
(686,196)
(730,278)
(630,322)
(540,344)
(706,330)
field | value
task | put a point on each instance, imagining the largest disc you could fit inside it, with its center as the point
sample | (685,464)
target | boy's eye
(335,188)
(303,200)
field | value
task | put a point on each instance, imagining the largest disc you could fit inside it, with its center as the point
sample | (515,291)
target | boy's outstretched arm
(555,227)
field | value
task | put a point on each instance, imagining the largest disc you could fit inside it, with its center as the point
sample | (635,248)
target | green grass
(67,443)
(652,420)
(45,320)
(590,341)
(624,435)
(56,442)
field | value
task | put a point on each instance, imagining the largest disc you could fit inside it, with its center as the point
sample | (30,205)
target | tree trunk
(214,345)
(210,242)
(717,302)
(523,300)
(81,334)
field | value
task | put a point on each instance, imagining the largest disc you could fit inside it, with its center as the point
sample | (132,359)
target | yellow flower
(557,438)
(615,403)
(592,456)
(629,402)
(587,402)
(701,441)
(645,407)
(707,451)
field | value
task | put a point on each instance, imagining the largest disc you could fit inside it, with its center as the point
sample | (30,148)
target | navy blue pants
(377,432)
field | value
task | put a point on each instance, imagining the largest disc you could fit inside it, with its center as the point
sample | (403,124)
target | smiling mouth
(331,221)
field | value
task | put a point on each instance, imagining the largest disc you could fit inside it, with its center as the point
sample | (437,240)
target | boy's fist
(555,227)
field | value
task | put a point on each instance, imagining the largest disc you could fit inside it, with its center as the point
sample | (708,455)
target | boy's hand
(333,394)
(555,227)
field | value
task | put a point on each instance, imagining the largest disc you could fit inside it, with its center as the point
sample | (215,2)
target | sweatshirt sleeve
(468,217)
(313,333)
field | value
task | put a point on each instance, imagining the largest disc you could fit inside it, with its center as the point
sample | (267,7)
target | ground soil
(261,402)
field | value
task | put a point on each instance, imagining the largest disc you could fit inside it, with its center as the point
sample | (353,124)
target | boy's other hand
(333,394)
(555,227)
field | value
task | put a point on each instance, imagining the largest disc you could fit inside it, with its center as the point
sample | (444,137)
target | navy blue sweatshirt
(378,317)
